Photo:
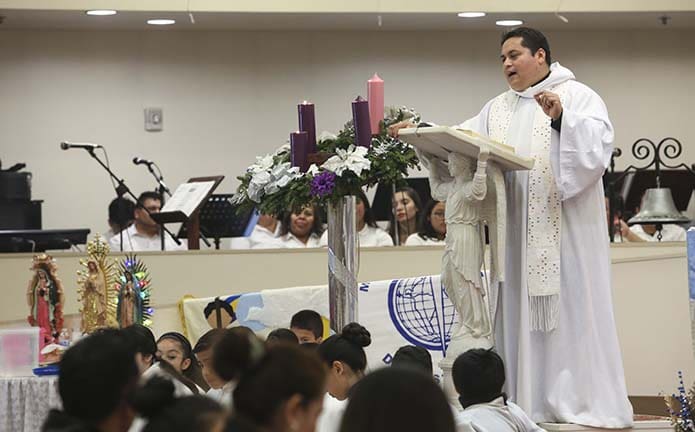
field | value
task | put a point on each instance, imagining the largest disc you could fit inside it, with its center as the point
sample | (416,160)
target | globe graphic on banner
(422,312)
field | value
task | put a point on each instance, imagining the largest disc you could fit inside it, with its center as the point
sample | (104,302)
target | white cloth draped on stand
(25,402)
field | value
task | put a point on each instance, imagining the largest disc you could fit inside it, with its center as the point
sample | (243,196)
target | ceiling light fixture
(161,21)
(509,23)
(101,12)
(471,14)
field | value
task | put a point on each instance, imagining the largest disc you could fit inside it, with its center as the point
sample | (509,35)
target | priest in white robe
(554,324)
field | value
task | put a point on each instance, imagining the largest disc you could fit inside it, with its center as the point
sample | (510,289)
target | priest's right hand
(394,128)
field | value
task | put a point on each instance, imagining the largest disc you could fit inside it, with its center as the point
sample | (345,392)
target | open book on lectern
(442,140)
(187,198)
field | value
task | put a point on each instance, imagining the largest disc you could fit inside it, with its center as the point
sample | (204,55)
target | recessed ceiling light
(101,12)
(471,14)
(161,21)
(509,23)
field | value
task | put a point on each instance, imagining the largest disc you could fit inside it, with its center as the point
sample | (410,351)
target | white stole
(544,222)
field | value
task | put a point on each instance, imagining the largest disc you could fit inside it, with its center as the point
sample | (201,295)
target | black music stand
(219,219)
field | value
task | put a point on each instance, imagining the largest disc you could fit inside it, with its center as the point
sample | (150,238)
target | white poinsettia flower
(255,192)
(285,148)
(280,176)
(353,159)
(325,136)
(257,184)
(263,163)
(313,170)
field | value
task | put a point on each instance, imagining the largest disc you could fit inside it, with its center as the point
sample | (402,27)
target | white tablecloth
(25,402)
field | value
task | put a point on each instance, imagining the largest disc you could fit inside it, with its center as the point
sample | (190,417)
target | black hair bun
(357,334)
(153,397)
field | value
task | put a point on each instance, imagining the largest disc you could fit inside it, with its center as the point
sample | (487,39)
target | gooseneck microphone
(65,145)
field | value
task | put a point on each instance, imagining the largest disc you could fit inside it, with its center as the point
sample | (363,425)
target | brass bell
(658,208)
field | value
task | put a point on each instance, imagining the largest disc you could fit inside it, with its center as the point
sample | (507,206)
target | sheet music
(187,197)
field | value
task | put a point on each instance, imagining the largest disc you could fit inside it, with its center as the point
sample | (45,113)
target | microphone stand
(163,189)
(122,189)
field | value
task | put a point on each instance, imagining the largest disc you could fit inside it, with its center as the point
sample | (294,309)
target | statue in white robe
(572,372)
(464,191)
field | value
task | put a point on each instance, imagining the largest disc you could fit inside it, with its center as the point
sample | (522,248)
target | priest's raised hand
(551,104)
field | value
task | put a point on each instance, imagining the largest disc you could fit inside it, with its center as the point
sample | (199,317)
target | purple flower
(323,184)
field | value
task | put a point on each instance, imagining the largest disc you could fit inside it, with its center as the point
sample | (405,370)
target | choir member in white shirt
(649,233)
(432,229)
(406,207)
(301,229)
(266,230)
(478,376)
(121,216)
(368,233)
(144,234)
(645,233)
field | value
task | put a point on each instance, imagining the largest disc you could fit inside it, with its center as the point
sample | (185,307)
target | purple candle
(307,123)
(360,117)
(299,150)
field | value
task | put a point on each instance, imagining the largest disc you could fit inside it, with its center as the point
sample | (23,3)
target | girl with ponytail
(345,358)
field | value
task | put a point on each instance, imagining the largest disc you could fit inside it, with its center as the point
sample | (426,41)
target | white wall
(229,96)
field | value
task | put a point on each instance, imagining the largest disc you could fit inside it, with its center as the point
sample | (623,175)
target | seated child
(308,326)
(478,378)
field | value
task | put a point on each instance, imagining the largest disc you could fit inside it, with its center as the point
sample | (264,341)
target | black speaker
(20,215)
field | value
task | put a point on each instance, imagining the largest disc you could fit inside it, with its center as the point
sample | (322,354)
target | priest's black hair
(530,38)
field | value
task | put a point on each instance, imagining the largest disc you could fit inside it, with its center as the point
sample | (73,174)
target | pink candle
(299,150)
(375,95)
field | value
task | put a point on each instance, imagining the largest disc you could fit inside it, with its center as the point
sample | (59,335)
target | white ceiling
(77,20)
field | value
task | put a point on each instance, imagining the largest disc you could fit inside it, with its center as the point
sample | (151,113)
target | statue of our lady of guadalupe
(129,302)
(45,299)
(97,293)
(94,301)
(133,286)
